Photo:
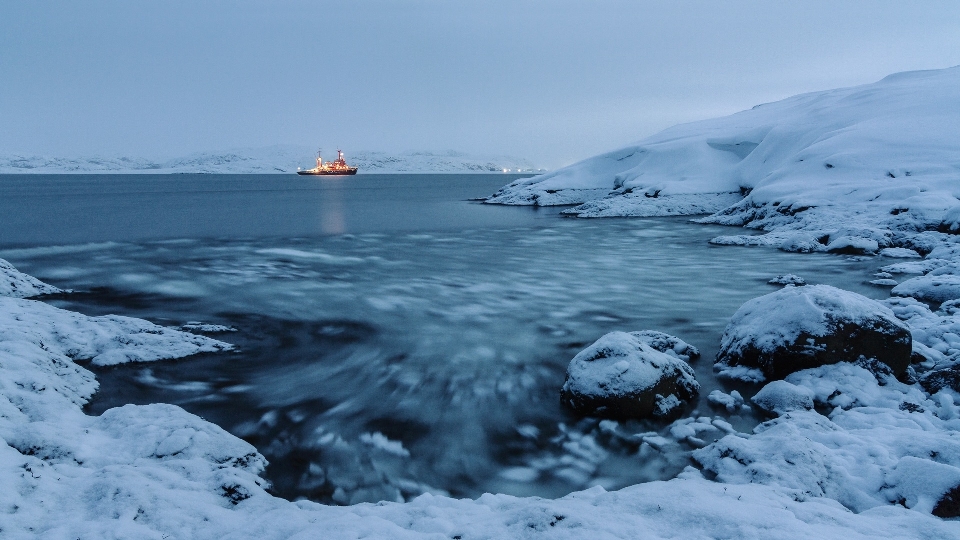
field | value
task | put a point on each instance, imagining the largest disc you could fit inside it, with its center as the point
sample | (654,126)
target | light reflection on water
(379,366)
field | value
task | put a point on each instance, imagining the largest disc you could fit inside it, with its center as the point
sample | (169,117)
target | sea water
(393,336)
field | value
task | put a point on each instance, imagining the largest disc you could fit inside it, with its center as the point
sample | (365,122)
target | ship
(337,167)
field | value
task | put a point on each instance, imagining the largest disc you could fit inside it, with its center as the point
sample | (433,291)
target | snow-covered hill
(272,159)
(884,155)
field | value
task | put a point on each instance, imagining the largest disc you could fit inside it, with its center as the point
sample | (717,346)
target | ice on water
(443,342)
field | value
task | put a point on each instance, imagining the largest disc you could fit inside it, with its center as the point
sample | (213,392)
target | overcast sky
(552,81)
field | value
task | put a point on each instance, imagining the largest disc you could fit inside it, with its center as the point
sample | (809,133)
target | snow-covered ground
(881,156)
(861,170)
(269,160)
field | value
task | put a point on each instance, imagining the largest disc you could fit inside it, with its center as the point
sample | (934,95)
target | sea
(394,335)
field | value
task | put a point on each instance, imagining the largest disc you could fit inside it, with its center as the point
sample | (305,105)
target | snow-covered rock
(788,279)
(931,288)
(105,340)
(802,327)
(779,397)
(900,253)
(876,429)
(871,156)
(16,284)
(853,245)
(622,375)
(732,402)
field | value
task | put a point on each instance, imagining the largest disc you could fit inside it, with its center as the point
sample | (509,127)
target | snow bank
(16,284)
(844,162)
(860,453)
(156,471)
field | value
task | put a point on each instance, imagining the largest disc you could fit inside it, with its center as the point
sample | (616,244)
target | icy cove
(385,365)
(414,366)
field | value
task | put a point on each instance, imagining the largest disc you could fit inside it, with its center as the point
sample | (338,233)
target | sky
(551,81)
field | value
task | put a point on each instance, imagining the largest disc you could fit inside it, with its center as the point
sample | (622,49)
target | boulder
(936,380)
(930,288)
(798,328)
(779,397)
(788,279)
(622,375)
(853,245)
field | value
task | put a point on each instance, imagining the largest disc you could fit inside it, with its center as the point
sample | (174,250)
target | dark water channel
(379,361)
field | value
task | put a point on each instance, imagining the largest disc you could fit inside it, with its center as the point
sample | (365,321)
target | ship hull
(313,172)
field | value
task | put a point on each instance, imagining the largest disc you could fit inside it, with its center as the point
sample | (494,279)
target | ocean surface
(394,336)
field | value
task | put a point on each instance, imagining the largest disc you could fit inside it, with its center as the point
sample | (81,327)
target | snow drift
(881,154)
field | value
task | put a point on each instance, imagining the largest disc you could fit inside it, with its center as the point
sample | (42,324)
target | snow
(842,163)
(732,402)
(900,253)
(105,340)
(852,455)
(277,159)
(780,397)
(155,471)
(623,366)
(853,244)
(799,320)
(16,284)
(871,168)
(787,279)
(932,288)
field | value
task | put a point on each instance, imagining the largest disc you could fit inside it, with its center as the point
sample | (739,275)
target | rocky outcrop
(798,328)
(631,375)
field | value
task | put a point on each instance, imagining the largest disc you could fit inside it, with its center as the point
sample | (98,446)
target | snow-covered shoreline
(874,457)
(868,161)
(280,159)
(156,470)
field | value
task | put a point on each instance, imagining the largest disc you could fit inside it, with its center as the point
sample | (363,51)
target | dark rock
(948,377)
(949,505)
(622,376)
(798,328)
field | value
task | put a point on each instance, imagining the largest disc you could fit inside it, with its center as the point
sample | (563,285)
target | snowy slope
(269,160)
(889,150)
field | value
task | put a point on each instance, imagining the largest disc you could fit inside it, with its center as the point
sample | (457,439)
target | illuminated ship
(337,167)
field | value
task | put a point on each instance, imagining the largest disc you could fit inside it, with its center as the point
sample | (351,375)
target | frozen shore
(156,471)
(851,452)
(869,161)
(279,159)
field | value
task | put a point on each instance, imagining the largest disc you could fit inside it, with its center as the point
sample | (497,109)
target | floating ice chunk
(381,442)
(732,401)
(207,328)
